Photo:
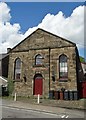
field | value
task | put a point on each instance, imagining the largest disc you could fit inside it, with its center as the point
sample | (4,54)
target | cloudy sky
(18,20)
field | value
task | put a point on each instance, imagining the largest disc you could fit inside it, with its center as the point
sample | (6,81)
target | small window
(17,69)
(38,60)
(63,69)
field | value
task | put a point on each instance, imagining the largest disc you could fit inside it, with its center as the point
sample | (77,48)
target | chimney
(8,50)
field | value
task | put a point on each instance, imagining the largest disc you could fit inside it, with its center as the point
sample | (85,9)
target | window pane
(17,76)
(65,74)
(63,58)
(17,68)
(39,56)
(62,69)
(38,60)
(18,63)
(65,69)
(61,74)
(63,66)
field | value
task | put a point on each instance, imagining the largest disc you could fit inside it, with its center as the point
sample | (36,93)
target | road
(11,109)
(10,112)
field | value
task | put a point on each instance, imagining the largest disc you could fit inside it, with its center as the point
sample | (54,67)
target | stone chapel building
(44,62)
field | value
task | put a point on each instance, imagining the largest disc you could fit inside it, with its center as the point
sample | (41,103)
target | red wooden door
(38,86)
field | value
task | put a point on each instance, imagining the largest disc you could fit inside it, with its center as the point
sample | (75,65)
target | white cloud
(71,27)
(4,12)
(9,34)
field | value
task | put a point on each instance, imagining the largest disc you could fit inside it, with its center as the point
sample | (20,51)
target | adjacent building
(4,58)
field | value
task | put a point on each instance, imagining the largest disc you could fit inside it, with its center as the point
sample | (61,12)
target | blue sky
(31,14)
(65,19)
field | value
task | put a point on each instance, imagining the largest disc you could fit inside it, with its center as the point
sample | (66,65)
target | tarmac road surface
(16,109)
(11,112)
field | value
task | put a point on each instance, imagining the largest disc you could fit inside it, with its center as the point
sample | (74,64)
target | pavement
(70,104)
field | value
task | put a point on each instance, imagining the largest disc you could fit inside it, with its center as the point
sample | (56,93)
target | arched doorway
(38,84)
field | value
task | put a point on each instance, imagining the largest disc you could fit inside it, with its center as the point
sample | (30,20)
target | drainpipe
(49,68)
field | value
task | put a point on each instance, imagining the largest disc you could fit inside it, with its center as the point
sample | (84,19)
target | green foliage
(10,86)
(82,59)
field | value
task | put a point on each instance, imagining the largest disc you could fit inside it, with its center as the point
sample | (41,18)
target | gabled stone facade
(50,47)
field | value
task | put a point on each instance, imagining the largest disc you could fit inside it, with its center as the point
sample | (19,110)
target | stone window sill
(38,66)
(63,80)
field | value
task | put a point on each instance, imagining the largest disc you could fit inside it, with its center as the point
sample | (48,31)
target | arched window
(38,60)
(63,69)
(17,68)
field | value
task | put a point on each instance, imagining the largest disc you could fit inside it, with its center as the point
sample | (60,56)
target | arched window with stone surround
(17,69)
(63,67)
(38,60)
